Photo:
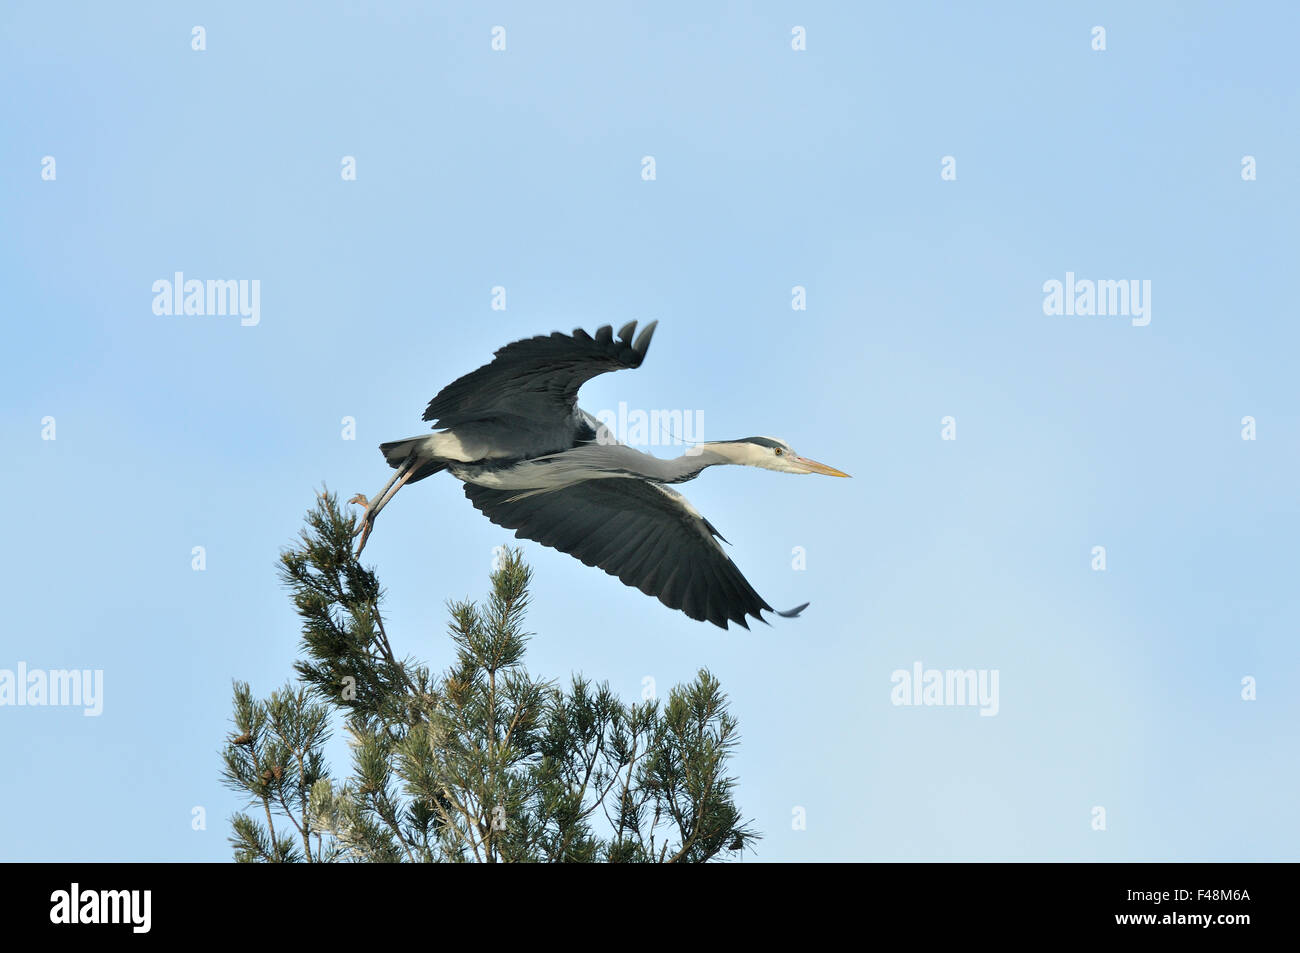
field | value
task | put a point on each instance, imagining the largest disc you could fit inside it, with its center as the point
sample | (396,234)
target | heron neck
(690,464)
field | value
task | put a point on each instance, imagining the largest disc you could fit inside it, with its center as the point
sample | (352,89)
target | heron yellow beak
(815,467)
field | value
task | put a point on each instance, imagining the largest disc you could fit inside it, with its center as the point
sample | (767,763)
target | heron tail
(396,452)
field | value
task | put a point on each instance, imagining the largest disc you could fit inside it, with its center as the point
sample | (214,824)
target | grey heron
(531,460)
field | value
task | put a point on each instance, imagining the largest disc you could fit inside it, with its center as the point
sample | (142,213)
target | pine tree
(482,763)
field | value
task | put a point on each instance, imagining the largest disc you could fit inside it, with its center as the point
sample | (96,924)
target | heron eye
(779,451)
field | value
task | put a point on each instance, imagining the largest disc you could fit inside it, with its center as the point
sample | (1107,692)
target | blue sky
(1118,689)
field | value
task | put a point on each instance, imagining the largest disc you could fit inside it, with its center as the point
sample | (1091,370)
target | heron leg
(360,498)
(367,525)
(373,507)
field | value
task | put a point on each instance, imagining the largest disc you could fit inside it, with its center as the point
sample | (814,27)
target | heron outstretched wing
(538,378)
(645,534)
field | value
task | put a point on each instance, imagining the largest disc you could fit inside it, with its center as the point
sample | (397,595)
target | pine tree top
(481,763)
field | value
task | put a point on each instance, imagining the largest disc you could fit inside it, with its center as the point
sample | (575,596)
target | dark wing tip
(626,331)
(642,343)
(792,613)
(714,530)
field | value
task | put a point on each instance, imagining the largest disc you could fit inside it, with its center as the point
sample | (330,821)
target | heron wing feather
(538,378)
(645,534)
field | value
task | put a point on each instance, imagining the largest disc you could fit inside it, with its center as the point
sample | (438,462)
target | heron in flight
(533,461)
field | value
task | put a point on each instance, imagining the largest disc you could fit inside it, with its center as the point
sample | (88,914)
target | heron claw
(366,521)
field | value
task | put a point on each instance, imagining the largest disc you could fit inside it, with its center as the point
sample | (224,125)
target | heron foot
(360,500)
(367,521)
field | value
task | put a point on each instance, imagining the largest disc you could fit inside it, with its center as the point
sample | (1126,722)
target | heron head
(770,454)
